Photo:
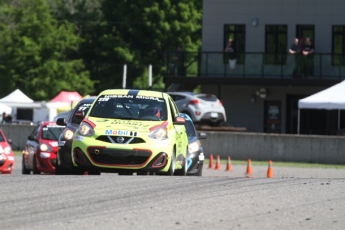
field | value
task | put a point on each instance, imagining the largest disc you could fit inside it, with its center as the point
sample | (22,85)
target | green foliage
(37,52)
(81,45)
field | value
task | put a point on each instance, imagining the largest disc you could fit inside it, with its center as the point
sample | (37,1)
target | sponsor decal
(11,158)
(53,143)
(201,157)
(120,132)
(130,96)
(79,138)
(61,143)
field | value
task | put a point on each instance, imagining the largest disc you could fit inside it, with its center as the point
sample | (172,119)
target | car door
(179,129)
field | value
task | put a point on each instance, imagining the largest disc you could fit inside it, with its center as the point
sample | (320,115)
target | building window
(238,35)
(276,44)
(338,45)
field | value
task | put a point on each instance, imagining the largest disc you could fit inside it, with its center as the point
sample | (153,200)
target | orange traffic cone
(217,163)
(270,170)
(210,165)
(228,165)
(249,168)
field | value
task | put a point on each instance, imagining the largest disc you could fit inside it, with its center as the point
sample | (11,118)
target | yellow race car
(131,131)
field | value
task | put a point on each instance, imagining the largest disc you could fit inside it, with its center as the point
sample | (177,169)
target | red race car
(6,154)
(41,148)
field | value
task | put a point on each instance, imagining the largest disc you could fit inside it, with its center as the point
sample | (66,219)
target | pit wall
(275,147)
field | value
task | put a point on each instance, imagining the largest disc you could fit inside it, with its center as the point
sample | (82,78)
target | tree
(141,31)
(37,52)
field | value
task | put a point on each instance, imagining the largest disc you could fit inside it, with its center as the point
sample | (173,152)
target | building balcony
(254,69)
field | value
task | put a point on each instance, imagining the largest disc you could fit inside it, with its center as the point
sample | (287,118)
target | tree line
(81,45)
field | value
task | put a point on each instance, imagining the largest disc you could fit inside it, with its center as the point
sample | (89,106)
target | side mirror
(202,135)
(31,138)
(10,141)
(61,121)
(79,115)
(179,121)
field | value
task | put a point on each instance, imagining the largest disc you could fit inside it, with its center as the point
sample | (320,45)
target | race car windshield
(130,107)
(52,132)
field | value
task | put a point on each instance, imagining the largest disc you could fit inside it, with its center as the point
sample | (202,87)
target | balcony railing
(255,65)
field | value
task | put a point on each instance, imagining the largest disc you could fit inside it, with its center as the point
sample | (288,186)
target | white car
(202,108)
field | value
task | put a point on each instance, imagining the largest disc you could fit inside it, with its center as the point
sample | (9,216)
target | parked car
(195,156)
(41,148)
(201,107)
(64,160)
(127,131)
(6,154)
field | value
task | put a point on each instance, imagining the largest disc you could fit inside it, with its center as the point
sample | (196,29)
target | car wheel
(34,168)
(24,169)
(183,171)
(125,173)
(59,170)
(171,170)
(76,171)
(200,170)
(96,172)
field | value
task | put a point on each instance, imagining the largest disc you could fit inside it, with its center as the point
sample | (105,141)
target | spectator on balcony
(296,50)
(308,58)
(231,55)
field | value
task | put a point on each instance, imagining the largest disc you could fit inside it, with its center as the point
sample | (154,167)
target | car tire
(171,170)
(183,171)
(76,171)
(24,169)
(34,167)
(95,172)
(199,173)
(125,173)
(59,170)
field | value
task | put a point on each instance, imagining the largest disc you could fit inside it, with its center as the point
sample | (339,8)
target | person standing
(231,54)
(6,118)
(296,50)
(308,57)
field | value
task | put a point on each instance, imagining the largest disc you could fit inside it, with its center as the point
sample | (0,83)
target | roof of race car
(133,92)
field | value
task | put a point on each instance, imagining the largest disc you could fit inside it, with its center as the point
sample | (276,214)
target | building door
(303,31)
(272,116)
(292,113)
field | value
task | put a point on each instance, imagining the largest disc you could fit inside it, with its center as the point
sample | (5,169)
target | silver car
(202,108)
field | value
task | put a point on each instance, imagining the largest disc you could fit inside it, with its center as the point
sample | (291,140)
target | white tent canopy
(330,99)
(17,96)
(5,108)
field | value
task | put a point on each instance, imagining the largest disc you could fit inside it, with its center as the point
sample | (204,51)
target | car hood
(123,127)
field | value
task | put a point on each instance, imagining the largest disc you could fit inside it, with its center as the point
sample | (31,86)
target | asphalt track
(293,199)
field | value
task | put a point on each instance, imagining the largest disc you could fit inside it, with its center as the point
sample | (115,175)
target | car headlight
(8,150)
(45,148)
(85,129)
(193,147)
(68,134)
(160,133)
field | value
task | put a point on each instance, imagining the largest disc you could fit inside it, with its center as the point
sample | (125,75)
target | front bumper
(46,165)
(120,157)
(195,162)
(6,163)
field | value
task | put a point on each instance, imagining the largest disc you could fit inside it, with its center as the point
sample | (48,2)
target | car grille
(119,157)
(126,140)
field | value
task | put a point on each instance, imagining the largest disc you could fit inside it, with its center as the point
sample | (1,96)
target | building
(263,92)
